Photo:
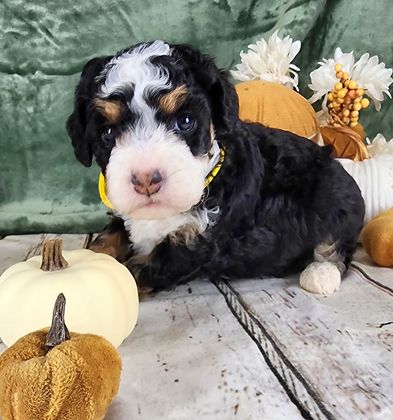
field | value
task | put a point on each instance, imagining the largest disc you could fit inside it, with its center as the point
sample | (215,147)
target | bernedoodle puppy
(197,192)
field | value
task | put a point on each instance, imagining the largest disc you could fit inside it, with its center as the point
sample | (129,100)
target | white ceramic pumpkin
(101,293)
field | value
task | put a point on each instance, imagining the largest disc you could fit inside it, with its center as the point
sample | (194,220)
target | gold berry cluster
(345,100)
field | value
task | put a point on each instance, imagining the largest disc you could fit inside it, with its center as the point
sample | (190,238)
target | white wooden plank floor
(254,349)
(335,343)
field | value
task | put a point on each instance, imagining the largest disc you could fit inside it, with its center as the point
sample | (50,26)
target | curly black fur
(279,195)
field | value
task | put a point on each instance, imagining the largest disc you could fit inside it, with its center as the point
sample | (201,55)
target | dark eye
(108,137)
(184,123)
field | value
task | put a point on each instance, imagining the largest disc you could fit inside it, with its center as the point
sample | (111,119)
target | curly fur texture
(279,196)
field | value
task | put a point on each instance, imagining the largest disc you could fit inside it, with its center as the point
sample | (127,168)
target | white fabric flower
(379,146)
(324,78)
(270,60)
(323,117)
(373,76)
(369,73)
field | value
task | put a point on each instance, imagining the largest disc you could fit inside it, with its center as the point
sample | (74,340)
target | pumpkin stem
(58,332)
(52,257)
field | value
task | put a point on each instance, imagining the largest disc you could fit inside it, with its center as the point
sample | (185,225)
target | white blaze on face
(149,146)
(134,67)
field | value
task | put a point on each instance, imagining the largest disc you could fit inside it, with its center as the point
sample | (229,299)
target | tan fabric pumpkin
(56,375)
(277,106)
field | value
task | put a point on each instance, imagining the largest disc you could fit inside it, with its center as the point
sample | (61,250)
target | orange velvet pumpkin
(346,142)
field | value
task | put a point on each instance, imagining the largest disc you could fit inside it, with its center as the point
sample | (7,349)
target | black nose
(147,183)
(156,178)
(135,180)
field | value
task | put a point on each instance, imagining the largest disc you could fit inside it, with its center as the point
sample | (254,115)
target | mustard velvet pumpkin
(377,238)
(56,375)
(277,106)
(102,294)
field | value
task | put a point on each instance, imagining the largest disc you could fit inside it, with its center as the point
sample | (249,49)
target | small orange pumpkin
(347,142)
(377,238)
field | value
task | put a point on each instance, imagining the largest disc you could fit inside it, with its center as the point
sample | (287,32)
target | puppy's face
(146,115)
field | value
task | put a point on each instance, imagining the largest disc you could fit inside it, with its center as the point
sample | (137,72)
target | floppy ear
(78,121)
(222,94)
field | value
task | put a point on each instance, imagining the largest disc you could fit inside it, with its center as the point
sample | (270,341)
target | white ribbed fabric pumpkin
(375,179)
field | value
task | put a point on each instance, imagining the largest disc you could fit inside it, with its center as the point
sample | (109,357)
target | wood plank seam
(294,384)
(36,249)
(362,274)
(88,240)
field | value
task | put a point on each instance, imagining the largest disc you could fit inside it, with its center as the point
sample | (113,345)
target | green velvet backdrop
(44,44)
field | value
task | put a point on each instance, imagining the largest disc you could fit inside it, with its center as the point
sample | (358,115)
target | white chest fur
(146,234)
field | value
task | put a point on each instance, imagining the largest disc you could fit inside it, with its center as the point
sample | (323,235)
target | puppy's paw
(323,278)
(103,249)
(113,244)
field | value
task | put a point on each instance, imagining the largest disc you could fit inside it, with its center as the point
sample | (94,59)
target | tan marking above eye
(111,110)
(172,101)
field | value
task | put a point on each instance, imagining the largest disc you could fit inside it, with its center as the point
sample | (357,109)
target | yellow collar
(213,173)
(209,178)
(102,191)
